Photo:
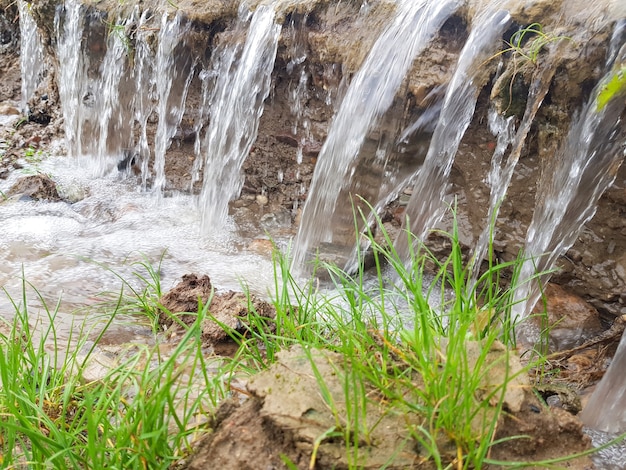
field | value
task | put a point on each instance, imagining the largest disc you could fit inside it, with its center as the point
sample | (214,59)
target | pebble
(8,110)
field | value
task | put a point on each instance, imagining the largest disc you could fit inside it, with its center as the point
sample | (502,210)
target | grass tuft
(144,411)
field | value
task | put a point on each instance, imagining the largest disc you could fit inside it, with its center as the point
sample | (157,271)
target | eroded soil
(285,416)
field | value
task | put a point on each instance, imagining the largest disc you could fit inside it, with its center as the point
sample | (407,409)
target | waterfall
(144,96)
(570,188)
(498,179)
(500,176)
(426,203)
(31,54)
(170,107)
(370,94)
(108,111)
(242,85)
(208,94)
(606,409)
(298,95)
(73,81)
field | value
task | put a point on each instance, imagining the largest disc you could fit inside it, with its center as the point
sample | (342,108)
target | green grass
(528,42)
(448,370)
(141,291)
(144,411)
(438,369)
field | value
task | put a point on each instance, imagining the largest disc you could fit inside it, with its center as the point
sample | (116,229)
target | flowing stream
(75,252)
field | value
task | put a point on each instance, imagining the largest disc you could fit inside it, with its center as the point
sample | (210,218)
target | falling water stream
(74,92)
(500,176)
(370,94)
(170,107)
(242,85)
(569,190)
(31,53)
(426,204)
(107,104)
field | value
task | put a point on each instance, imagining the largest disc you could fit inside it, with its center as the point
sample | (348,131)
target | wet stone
(37,187)
(572,321)
(228,311)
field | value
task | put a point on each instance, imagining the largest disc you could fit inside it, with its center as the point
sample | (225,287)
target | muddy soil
(228,310)
(284,417)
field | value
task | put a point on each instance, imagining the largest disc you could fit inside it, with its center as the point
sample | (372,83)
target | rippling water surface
(71,251)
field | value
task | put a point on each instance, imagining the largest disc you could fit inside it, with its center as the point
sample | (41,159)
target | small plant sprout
(528,42)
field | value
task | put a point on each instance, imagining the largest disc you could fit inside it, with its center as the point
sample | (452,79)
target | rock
(278,219)
(312,149)
(8,110)
(262,200)
(232,309)
(287,139)
(227,311)
(263,246)
(571,320)
(38,187)
(73,193)
(185,296)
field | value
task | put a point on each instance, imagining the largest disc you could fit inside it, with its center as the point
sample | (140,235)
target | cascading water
(109,111)
(31,54)
(569,190)
(370,94)
(143,98)
(73,82)
(426,203)
(208,94)
(298,94)
(171,106)
(499,176)
(243,84)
